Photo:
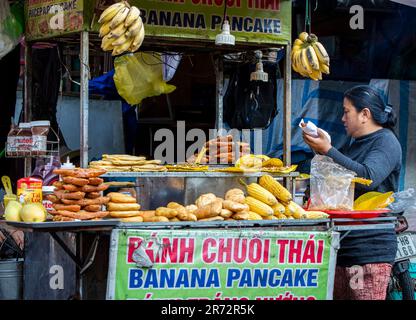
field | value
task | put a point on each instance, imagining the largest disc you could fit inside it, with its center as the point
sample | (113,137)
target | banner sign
(49,18)
(254,21)
(221,264)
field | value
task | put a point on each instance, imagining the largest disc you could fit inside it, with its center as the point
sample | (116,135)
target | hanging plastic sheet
(139,76)
(10,29)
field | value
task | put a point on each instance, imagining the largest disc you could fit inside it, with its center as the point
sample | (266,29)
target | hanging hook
(316,6)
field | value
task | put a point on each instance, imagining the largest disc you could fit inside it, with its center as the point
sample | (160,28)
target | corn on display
(280,192)
(278,208)
(257,191)
(259,207)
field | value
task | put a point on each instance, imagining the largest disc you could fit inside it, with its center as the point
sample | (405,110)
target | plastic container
(24,140)
(68,164)
(29,190)
(40,130)
(11,147)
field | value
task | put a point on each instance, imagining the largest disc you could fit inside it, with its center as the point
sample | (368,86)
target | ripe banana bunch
(121,28)
(309,57)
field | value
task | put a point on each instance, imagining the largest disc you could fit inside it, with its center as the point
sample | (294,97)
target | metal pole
(84,58)
(27,96)
(287,110)
(219,80)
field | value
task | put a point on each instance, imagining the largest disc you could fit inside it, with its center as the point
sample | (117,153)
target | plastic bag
(331,186)
(373,200)
(10,29)
(139,76)
(403,200)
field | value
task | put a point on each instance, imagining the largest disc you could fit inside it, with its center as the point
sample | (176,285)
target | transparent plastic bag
(10,29)
(403,200)
(331,186)
(138,76)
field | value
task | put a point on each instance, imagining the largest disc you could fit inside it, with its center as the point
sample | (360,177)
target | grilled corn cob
(280,192)
(257,191)
(259,207)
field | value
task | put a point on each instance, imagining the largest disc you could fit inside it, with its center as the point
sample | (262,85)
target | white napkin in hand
(312,130)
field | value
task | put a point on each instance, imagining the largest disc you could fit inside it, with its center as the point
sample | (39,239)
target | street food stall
(258,244)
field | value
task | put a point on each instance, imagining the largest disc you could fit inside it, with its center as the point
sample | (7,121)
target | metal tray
(108,224)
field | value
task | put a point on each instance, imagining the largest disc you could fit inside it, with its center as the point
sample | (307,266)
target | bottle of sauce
(39,130)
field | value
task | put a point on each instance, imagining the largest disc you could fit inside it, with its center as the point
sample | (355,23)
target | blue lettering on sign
(313,278)
(173,278)
(232,275)
(135,278)
(151,279)
(274,278)
(287,279)
(260,278)
(300,277)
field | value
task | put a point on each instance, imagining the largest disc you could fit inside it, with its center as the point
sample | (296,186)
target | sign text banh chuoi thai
(221,264)
(257,21)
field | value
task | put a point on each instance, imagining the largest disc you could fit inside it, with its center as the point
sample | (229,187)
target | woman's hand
(320,144)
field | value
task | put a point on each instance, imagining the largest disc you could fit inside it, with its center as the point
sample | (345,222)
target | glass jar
(47,204)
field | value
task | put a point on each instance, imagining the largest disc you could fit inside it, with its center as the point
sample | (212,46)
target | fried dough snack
(121,198)
(80,173)
(93,195)
(75,181)
(67,207)
(88,188)
(125,214)
(87,202)
(83,215)
(95,181)
(92,208)
(58,185)
(69,195)
(71,187)
(53,198)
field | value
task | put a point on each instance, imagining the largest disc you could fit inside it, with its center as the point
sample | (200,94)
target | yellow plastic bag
(138,76)
(373,200)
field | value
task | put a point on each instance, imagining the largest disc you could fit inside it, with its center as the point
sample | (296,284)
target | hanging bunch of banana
(121,28)
(309,57)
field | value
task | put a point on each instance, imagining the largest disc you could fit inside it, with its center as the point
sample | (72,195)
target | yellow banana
(138,40)
(118,31)
(124,47)
(324,68)
(120,17)
(295,54)
(304,63)
(106,43)
(298,42)
(120,40)
(316,75)
(312,58)
(134,29)
(321,53)
(111,12)
(105,29)
(133,15)
(303,36)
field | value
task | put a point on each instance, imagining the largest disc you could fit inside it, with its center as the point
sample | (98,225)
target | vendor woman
(365,257)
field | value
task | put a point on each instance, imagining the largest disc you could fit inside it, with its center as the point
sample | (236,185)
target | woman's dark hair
(364,96)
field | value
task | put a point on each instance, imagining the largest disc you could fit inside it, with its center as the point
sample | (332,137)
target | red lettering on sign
(282,243)
(295,251)
(208,257)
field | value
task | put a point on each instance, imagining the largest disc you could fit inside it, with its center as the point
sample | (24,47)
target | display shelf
(198,174)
